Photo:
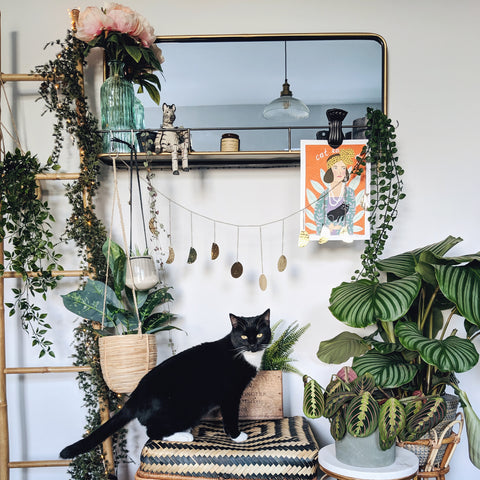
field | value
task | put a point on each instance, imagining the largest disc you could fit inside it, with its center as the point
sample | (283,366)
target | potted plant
(143,274)
(120,312)
(411,349)
(365,420)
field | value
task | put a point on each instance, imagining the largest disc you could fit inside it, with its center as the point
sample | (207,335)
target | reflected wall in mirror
(222,84)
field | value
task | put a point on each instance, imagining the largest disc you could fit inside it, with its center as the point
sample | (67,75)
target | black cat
(338,213)
(175,395)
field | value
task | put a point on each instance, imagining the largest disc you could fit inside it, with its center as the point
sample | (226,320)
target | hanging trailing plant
(386,188)
(25,224)
(62,92)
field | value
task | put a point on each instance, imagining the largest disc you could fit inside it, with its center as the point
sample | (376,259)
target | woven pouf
(284,448)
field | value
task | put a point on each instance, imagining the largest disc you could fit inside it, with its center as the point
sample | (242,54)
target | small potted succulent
(411,349)
(127,321)
(365,420)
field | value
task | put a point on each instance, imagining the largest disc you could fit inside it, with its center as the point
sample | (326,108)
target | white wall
(433,94)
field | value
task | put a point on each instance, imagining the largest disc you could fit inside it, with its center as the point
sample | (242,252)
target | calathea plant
(411,348)
(114,308)
(358,406)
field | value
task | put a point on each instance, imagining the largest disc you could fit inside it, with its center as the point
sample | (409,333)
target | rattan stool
(275,449)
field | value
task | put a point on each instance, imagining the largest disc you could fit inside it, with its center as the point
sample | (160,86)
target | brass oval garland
(192,254)
(262,281)
(282,261)
(215,250)
(237,268)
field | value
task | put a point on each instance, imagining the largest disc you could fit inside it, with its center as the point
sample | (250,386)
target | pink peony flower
(91,22)
(123,22)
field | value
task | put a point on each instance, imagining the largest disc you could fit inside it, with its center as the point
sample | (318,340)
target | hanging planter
(144,273)
(125,359)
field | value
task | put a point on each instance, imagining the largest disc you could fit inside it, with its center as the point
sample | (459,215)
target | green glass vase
(116,105)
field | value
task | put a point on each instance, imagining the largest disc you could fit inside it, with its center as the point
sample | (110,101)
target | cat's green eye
(243,337)
(259,335)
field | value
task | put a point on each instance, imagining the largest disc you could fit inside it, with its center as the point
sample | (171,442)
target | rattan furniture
(275,449)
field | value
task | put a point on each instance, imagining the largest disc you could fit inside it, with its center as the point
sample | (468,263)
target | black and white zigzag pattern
(284,448)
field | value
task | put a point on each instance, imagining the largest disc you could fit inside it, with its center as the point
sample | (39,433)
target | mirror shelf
(221,84)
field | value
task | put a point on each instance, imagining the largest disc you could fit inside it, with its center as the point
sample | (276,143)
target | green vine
(25,223)
(63,95)
(386,188)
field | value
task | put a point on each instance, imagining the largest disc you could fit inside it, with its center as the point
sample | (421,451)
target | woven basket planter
(125,359)
(422,448)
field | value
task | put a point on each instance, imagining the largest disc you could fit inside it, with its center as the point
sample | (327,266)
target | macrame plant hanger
(124,359)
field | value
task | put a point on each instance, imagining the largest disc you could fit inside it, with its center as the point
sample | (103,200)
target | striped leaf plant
(360,407)
(413,347)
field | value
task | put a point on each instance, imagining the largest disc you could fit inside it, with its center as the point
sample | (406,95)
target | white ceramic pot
(144,273)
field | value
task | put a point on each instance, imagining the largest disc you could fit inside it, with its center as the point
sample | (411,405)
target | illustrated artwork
(334,193)
(174,140)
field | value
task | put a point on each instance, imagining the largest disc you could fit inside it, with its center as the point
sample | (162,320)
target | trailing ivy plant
(25,226)
(63,95)
(386,188)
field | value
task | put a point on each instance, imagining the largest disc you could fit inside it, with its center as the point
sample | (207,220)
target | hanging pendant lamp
(286,106)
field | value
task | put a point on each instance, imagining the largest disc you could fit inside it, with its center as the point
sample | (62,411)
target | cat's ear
(266,316)
(233,320)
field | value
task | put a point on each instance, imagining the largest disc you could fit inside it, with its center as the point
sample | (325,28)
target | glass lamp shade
(286,107)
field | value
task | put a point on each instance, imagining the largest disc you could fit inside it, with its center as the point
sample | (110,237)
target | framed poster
(334,195)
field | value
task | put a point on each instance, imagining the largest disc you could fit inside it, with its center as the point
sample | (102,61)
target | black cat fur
(177,393)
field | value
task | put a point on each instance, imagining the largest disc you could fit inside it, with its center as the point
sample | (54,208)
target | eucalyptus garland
(386,188)
(63,95)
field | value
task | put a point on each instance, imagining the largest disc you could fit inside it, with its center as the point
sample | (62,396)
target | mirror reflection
(223,84)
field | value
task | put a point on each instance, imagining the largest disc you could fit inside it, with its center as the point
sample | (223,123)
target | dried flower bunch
(126,36)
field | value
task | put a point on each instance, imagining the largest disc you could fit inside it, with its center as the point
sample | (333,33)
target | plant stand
(435,467)
(405,467)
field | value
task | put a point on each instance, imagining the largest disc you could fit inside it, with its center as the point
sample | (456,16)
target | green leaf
(338,427)
(157,323)
(336,400)
(153,92)
(389,371)
(117,261)
(88,302)
(472,423)
(364,302)
(461,285)
(453,354)
(153,300)
(313,401)
(342,347)
(404,264)
(134,51)
(392,420)
(431,414)
(362,415)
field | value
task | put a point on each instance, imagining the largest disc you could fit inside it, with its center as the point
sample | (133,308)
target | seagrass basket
(422,448)
(125,359)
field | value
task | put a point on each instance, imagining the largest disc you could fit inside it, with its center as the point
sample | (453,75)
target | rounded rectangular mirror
(221,84)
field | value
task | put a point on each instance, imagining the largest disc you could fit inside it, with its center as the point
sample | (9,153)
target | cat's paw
(241,438)
(179,437)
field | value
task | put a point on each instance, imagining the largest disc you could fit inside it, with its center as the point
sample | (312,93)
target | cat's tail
(118,421)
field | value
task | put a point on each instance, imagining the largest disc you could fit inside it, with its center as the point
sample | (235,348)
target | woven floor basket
(275,449)
(125,359)
(419,448)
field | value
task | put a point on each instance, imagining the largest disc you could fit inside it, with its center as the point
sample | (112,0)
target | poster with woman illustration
(334,193)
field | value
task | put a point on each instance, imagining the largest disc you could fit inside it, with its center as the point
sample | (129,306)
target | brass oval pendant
(236,270)
(262,281)
(215,251)
(282,263)
(192,255)
(171,255)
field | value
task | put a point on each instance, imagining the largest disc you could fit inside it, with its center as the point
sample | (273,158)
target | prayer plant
(357,405)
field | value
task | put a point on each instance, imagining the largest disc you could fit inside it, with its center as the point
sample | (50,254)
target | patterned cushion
(284,448)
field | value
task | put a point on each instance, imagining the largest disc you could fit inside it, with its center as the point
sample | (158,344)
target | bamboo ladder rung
(39,463)
(55,273)
(67,369)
